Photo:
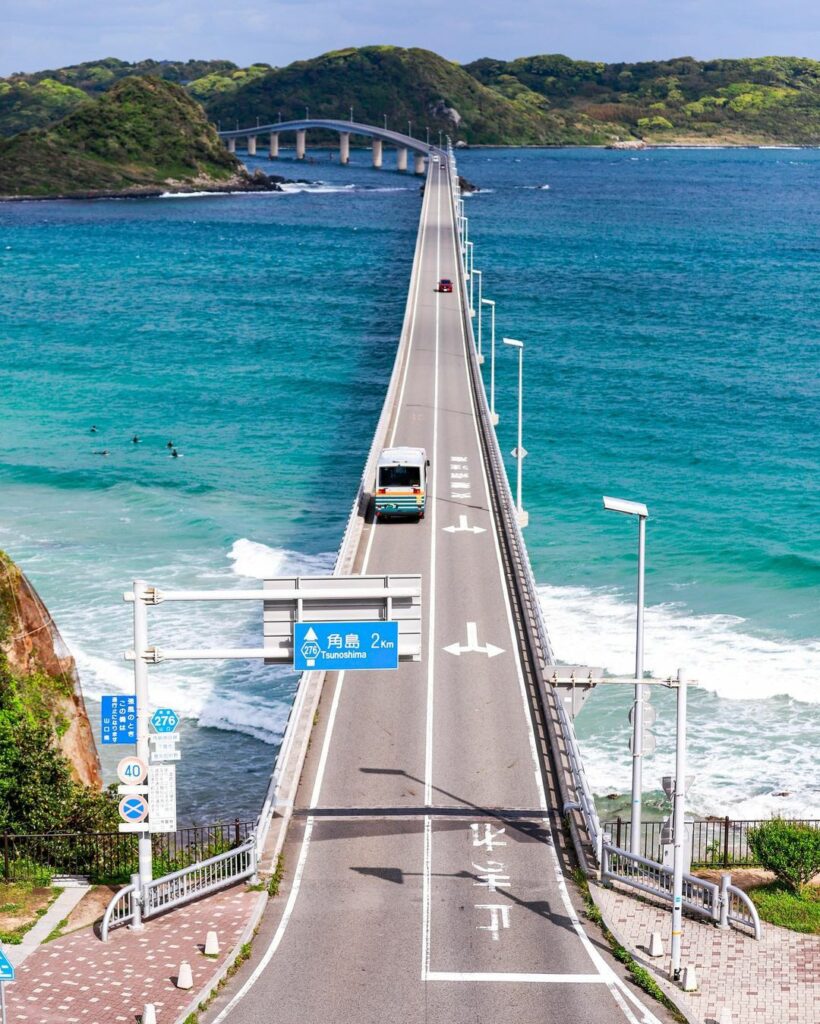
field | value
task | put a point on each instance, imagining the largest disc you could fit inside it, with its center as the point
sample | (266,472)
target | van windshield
(399,476)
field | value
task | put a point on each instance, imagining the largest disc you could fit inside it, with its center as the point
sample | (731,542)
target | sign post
(6,974)
(145,869)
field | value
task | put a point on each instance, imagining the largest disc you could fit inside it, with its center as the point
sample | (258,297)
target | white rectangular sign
(162,798)
(164,747)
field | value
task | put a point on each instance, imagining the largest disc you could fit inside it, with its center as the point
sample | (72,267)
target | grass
(24,903)
(57,931)
(642,978)
(779,905)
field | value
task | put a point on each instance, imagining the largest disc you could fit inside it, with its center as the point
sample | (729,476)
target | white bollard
(690,980)
(724,1016)
(655,944)
(211,945)
(149,1014)
(185,978)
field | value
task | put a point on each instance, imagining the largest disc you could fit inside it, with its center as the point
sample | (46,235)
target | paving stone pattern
(79,979)
(773,981)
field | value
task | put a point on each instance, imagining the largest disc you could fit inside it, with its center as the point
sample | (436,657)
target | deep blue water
(670,306)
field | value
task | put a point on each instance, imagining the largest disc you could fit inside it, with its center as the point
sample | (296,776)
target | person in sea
(105,451)
(174,453)
(135,439)
(93,430)
(170,445)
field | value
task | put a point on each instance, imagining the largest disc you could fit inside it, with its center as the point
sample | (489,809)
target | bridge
(419,812)
(403,144)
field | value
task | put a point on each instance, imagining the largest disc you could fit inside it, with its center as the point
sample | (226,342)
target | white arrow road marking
(463,527)
(458,486)
(472,646)
(458,458)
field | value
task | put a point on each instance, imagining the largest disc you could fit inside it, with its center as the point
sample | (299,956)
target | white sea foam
(258,561)
(293,187)
(598,628)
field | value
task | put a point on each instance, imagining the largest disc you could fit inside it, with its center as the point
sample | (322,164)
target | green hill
(143,134)
(39,99)
(547,99)
(766,99)
(377,81)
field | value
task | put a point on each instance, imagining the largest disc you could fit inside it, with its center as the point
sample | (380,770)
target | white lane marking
(491,834)
(616,986)
(499,918)
(458,458)
(491,876)
(428,732)
(472,646)
(300,867)
(539,979)
(463,527)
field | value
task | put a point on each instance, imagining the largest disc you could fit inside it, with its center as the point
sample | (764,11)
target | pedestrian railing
(132,904)
(716,842)
(723,904)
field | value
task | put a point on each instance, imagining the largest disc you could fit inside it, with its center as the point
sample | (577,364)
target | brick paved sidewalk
(79,979)
(773,981)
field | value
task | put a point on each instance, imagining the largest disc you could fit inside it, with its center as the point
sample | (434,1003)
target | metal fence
(111,856)
(716,842)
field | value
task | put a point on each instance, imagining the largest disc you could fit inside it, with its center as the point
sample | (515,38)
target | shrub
(789,849)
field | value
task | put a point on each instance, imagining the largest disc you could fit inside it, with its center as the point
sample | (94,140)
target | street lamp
(351,115)
(428,136)
(385,122)
(410,129)
(635,508)
(519,452)
(678,826)
(469,276)
(491,304)
(480,277)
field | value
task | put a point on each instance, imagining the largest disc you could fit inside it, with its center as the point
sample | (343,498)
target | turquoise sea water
(670,306)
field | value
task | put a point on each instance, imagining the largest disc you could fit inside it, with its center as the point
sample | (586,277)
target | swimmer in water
(105,451)
(93,430)
(170,444)
(174,453)
(135,439)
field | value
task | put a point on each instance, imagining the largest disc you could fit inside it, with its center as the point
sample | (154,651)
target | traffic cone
(655,944)
(211,945)
(185,978)
(149,1014)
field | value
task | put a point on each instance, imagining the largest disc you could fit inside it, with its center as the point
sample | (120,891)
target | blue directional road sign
(6,968)
(165,720)
(119,718)
(345,645)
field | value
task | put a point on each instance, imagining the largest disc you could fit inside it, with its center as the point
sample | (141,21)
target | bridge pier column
(273,150)
(251,145)
(401,158)
(231,145)
(344,147)
(300,144)
(377,152)
(418,163)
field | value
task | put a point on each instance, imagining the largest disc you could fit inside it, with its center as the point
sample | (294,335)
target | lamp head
(513,342)
(630,508)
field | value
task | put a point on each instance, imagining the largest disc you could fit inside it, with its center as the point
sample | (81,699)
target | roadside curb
(211,986)
(672,993)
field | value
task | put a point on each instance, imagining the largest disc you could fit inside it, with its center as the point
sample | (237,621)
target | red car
(445,285)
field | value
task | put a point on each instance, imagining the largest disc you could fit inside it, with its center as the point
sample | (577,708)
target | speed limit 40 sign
(132,771)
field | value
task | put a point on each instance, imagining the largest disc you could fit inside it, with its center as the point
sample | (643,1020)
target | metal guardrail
(723,904)
(131,905)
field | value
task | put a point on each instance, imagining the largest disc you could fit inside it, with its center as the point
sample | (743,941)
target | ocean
(669,302)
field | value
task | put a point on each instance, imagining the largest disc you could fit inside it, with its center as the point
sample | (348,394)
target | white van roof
(403,457)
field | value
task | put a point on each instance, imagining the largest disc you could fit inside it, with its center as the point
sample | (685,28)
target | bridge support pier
(418,163)
(251,145)
(401,158)
(273,150)
(377,152)
(344,147)
(231,145)
(300,144)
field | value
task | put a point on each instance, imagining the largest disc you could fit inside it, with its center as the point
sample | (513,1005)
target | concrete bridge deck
(422,878)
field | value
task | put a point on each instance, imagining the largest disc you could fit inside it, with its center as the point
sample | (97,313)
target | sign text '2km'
(345,645)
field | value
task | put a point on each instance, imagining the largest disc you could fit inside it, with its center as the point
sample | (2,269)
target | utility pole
(679,826)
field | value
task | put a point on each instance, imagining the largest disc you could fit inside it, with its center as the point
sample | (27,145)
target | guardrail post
(618,826)
(6,856)
(136,902)
(726,841)
(236,832)
(723,899)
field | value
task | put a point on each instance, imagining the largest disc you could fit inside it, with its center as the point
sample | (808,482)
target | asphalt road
(422,883)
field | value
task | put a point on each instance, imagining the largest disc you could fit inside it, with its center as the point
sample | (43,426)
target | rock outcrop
(32,648)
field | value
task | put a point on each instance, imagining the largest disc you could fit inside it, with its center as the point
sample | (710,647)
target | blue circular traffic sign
(133,808)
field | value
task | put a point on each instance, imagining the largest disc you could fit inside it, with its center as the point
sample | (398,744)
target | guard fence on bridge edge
(111,857)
